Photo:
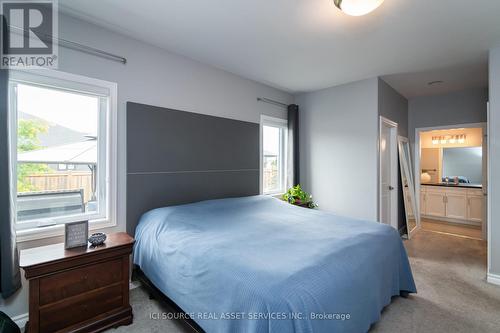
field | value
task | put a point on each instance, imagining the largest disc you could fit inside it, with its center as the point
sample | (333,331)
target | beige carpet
(452,293)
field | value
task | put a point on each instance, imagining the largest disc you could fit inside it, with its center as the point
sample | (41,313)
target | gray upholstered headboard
(176,157)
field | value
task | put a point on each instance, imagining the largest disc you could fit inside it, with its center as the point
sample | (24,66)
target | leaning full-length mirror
(408,184)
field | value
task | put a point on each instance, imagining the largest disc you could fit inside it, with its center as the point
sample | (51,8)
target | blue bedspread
(257,264)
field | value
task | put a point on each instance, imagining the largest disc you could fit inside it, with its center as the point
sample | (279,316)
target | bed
(258,264)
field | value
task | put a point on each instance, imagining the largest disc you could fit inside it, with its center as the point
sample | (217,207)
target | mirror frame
(405,168)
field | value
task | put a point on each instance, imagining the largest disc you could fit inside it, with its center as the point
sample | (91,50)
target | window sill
(33,234)
(275,194)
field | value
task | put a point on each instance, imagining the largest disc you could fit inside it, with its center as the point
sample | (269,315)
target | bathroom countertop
(453,185)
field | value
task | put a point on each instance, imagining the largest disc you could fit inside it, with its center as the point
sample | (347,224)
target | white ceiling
(305,45)
(455,78)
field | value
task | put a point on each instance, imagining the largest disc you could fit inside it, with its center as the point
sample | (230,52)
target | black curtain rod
(270,101)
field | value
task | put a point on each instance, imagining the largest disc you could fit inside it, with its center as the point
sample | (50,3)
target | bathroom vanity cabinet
(453,204)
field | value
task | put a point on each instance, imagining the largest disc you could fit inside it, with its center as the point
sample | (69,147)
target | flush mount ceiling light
(432,83)
(357,7)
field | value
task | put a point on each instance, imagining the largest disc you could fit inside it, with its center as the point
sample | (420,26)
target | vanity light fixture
(357,7)
(451,139)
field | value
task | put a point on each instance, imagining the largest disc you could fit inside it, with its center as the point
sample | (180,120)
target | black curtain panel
(10,277)
(293,145)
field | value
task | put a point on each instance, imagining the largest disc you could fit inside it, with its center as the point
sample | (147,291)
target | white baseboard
(493,279)
(134,284)
(21,320)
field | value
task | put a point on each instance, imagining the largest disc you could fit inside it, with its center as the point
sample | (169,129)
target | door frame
(488,196)
(416,158)
(394,170)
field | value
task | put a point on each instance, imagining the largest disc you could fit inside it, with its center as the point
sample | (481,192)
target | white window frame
(107,182)
(282,124)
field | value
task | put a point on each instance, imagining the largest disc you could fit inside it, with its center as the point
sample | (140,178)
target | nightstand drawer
(80,308)
(66,284)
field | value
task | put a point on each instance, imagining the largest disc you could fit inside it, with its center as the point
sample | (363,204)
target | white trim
(488,189)
(493,279)
(270,120)
(394,171)
(388,121)
(26,235)
(21,320)
(96,87)
(134,284)
(282,124)
(416,155)
(261,160)
(73,82)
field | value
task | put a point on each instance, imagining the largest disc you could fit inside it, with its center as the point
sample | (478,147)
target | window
(62,130)
(273,155)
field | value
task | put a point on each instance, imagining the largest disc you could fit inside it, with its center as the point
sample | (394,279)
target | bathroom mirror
(408,185)
(465,163)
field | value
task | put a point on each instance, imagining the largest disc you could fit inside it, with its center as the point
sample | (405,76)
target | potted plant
(297,196)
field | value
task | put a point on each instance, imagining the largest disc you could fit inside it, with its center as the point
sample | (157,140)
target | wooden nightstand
(79,290)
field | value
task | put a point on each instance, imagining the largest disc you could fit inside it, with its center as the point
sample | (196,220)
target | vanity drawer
(455,190)
(475,192)
(80,308)
(62,285)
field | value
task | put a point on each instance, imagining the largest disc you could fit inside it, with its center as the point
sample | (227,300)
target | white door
(435,204)
(388,173)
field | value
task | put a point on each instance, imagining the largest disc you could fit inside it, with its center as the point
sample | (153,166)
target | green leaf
(295,195)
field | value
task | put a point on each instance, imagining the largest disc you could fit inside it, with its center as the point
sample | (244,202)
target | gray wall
(394,106)
(156,77)
(494,181)
(462,107)
(338,147)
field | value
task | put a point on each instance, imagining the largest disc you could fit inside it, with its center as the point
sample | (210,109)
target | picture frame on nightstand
(76,234)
